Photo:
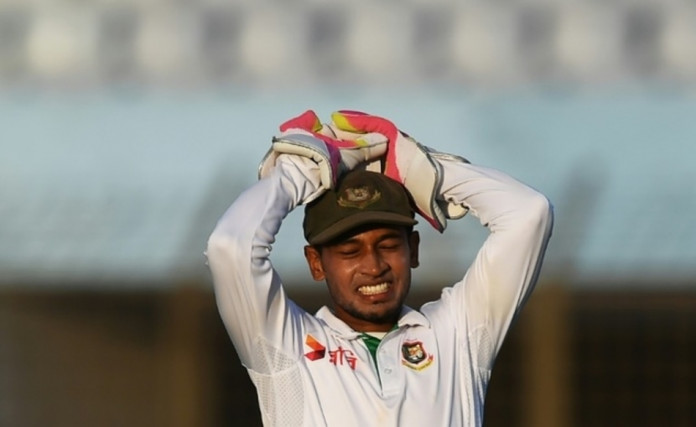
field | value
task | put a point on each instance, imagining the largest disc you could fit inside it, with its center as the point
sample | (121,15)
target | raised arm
(249,293)
(506,267)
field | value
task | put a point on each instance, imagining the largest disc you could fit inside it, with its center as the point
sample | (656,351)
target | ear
(313,257)
(413,242)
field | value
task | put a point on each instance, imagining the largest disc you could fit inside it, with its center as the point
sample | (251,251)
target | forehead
(370,232)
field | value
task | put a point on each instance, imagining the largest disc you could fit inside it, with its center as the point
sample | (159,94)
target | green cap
(361,197)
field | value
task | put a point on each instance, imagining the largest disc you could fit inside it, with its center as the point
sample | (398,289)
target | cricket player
(366,359)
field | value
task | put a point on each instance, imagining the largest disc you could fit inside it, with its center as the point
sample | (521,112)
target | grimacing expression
(368,274)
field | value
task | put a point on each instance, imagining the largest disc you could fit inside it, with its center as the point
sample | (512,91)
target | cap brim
(346,224)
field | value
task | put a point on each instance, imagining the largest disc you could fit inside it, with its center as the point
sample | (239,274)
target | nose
(373,264)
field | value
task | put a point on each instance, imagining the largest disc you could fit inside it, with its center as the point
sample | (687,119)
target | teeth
(374,289)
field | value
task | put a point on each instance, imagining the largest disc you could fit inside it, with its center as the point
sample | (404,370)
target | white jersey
(432,369)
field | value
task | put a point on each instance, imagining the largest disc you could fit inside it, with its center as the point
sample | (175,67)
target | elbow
(217,245)
(235,248)
(222,246)
(538,213)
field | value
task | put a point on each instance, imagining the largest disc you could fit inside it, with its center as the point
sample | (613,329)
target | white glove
(451,209)
(412,164)
(305,136)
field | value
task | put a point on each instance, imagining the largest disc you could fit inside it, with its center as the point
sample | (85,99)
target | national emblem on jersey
(359,197)
(414,356)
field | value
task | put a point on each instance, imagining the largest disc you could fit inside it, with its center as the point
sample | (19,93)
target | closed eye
(347,250)
(391,244)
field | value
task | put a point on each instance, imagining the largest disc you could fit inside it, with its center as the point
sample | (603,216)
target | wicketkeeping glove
(407,161)
(305,136)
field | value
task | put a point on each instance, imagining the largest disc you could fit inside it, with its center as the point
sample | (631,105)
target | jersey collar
(409,317)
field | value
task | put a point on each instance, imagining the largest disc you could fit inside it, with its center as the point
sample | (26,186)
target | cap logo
(359,197)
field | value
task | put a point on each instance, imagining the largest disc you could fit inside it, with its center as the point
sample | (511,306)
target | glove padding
(407,161)
(451,209)
(306,136)
(303,145)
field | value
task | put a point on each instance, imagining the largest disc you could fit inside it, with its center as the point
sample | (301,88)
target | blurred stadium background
(127,127)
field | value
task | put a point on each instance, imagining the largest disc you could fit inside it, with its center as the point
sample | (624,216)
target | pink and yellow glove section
(306,136)
(406,161)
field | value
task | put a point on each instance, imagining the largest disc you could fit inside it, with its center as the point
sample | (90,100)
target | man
(369,360)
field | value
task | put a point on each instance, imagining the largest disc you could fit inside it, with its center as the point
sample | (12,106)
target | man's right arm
(249,293)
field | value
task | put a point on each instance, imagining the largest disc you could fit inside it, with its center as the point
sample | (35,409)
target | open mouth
(374,289)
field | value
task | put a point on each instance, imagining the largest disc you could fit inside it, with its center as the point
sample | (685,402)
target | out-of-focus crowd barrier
(276,43)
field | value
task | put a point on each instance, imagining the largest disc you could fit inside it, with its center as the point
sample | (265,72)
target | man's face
(368,274)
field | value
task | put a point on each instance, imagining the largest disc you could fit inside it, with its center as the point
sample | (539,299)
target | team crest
(414,356)
(359,197)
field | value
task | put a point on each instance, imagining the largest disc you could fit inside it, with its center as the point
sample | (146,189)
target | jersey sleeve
(505,269)
(249,293)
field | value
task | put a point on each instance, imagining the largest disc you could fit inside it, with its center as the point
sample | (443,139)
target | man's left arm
(506,268)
